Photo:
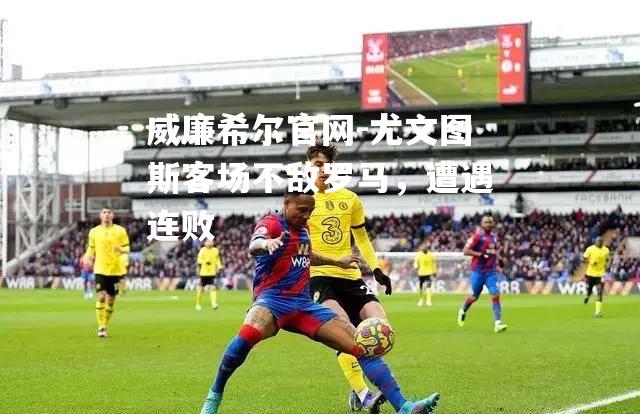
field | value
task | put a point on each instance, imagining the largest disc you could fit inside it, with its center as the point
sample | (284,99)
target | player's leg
(428,293)
(325,291)
(199,290)
(111,286)
(590,286)
(259,324)
(420,290)
(338,334)
(122,283)
(598,313)
(492,286)
(349,365)
(100,304)
(213,293)
(477,281)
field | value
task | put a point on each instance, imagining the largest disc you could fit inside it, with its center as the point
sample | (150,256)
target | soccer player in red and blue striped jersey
(482,248)
(281,300)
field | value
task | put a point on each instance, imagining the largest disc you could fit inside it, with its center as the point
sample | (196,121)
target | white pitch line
(420,91)
(455,65)
(584,407)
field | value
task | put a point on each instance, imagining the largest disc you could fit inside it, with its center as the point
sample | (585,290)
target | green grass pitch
(437,76)
(161,356)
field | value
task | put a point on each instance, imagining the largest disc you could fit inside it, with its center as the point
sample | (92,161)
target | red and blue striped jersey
(286,271)
(481,241)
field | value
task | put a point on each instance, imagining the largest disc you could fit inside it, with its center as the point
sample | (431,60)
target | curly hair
(330,151)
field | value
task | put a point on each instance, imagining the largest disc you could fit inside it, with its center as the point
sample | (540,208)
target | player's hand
(117,249)
(382,279)
(208,263)
(349,262)
(271,245)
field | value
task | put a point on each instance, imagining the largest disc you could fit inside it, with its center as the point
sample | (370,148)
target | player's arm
(415,261)
(218,262)
(123,243)
(91,249)
(587,255)
(361,238)
(470,245)
(263,245)
(346,262)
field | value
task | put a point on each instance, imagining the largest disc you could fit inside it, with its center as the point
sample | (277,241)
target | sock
(467,303)
(108,310)
(121,288)
(598,306)
(234,355)
(353,373)
(214,297)
(380,375)
(428,294)
(497,309)
(198,297)
(100,313)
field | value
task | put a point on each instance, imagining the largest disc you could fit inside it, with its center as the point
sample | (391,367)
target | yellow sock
(100,313)
(108,310)
(121,288)
(352,372)
(598,306)
(428,294)
(198,297)
(214,297)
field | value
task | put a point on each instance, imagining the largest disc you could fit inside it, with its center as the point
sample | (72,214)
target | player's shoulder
(119,228)
(271,221)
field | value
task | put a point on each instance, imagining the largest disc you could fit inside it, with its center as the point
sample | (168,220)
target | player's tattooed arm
(346,262)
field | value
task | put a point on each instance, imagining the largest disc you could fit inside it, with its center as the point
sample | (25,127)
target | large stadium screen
(448,67)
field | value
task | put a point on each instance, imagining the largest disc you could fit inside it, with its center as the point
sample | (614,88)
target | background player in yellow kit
(336,218)
(598,257)
(107,243)
(210,265)
(427,267)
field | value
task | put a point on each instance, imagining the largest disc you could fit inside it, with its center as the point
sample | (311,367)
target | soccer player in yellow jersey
(597,257)
(107,243)
(210,265)
(336,218)
(427,267)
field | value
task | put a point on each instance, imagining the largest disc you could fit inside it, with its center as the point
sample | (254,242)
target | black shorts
(593,281)
(352,295)
(108,284)
(207,281)
(424,279)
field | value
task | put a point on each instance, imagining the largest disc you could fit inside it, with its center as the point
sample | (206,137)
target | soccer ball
(375,337)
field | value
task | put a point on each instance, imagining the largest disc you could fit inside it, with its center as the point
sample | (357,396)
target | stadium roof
(563,71)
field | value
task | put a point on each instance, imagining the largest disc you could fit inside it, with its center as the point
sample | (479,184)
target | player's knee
(251,334)
(495,298)
(472,298)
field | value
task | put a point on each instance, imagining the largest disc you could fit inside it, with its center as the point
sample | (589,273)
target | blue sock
(233,357)
(497,309)
(380,375)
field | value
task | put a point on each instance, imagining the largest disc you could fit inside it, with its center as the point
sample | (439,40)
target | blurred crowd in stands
(410,43)
(538,246)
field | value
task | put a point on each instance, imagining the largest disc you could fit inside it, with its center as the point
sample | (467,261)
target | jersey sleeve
(91,245)
(587,253)
(357,213)
(201,257)
(218,260)
(267,228)
(473,241)
(124,241)
(416,261)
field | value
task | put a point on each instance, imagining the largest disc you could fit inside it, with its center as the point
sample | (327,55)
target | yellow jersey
(102,241)
(598,257)
(426,264)
(330,227)
(124,264)
(209,261)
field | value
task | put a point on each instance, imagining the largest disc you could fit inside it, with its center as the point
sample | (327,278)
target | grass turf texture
(437,76)
(161,356)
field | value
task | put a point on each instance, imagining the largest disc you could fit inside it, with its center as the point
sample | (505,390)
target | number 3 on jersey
(333,234)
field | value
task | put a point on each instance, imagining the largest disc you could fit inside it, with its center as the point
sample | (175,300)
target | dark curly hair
(330,151)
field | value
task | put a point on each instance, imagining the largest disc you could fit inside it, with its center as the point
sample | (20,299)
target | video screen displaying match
(445,67)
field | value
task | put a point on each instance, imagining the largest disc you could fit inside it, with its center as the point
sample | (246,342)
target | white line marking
(455,65)
(584,407)
(408,82)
